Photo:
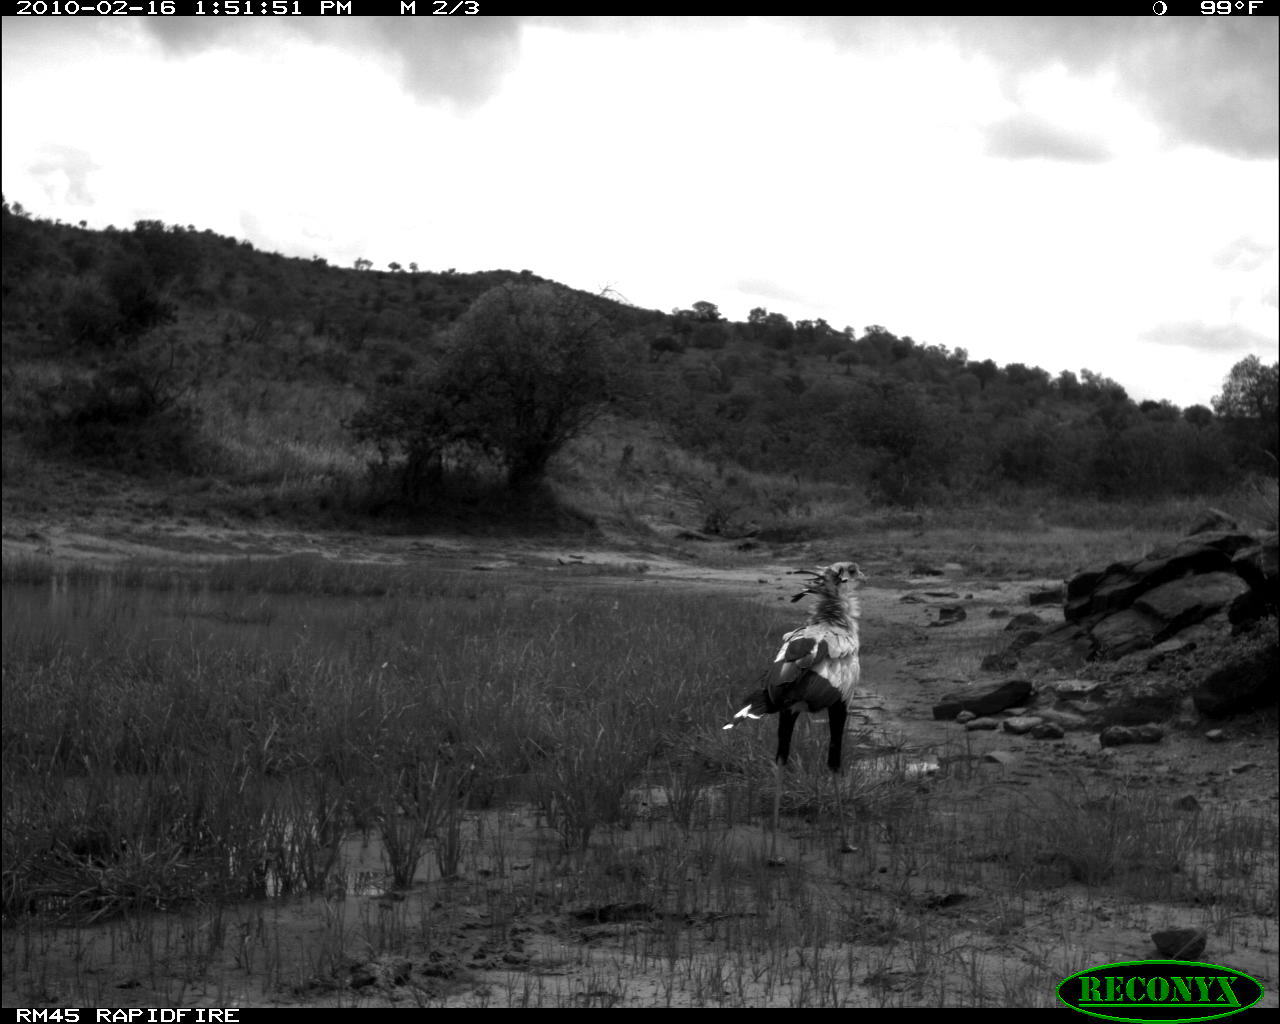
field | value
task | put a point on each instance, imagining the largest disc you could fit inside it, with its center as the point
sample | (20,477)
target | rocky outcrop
(1215,579)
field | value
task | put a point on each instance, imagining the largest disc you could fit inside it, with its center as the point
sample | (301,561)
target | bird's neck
(841,612)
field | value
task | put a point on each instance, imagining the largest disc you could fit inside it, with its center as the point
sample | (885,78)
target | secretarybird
(817,667)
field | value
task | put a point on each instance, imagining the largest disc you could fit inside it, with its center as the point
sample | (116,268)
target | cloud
(1243,254)
(1210,82)
(458,60)
(1024,136)
(1213,338)
(65,170)
(1218,84)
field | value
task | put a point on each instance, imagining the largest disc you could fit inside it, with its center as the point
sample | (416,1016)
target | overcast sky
(1062,192)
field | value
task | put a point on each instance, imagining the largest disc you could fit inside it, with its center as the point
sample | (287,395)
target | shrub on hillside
(129,415)
(526,368)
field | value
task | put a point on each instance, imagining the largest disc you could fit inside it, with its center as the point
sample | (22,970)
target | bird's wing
(811,648)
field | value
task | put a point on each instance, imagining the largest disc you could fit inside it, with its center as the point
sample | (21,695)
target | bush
(129,416)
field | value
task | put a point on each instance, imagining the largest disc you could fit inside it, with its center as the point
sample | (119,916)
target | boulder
(948,614)
(1119,735)
(1186,601)
(1007,695)
(1181,943)
(1128,630)
(1065,721)
(1257,566)
(1241,686)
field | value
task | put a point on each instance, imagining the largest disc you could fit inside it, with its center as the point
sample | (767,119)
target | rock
(1187,802)
(998,613)
(1007,695)
(1050,595)
(949,614)
(981,724)
(1120,735)
(1073,688)
(1215,735)
(1047,731)
(1181,943)
(1144,699)
(1124,632)
(1025,639)
(1082,707)
(1021,724)
(1121,583)
(1066,721)
(1215,520)
(999,757)
(1083,584)
(1258,563)
(965,716)
(1166,649)
(1065,647)
(1240,686)
(1257,566)
(1002,661)
(1240,769)
(1023,620)
(943,595)
(1184,602)
(1115,736)
(911,599)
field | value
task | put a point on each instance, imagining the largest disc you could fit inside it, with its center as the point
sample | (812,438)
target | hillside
(181,360)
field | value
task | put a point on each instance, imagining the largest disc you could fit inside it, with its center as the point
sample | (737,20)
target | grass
(296,780)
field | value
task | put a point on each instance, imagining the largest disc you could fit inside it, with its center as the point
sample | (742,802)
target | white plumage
(817,668)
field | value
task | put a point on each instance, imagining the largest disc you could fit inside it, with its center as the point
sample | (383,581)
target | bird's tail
(757,706)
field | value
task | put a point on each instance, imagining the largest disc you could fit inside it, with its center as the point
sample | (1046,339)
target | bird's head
(831,581)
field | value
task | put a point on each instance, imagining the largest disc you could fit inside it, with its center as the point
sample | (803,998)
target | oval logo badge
(1164,990)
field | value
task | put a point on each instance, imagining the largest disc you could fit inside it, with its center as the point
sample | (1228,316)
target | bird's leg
(786,724)
(845,845)
(836,716)
(777,805)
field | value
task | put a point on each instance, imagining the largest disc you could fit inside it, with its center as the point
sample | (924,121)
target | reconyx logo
(1164,990)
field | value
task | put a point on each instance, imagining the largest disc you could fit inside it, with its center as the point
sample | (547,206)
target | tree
(1198,416)
(526,369)
(1248,403)
(1248,391)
